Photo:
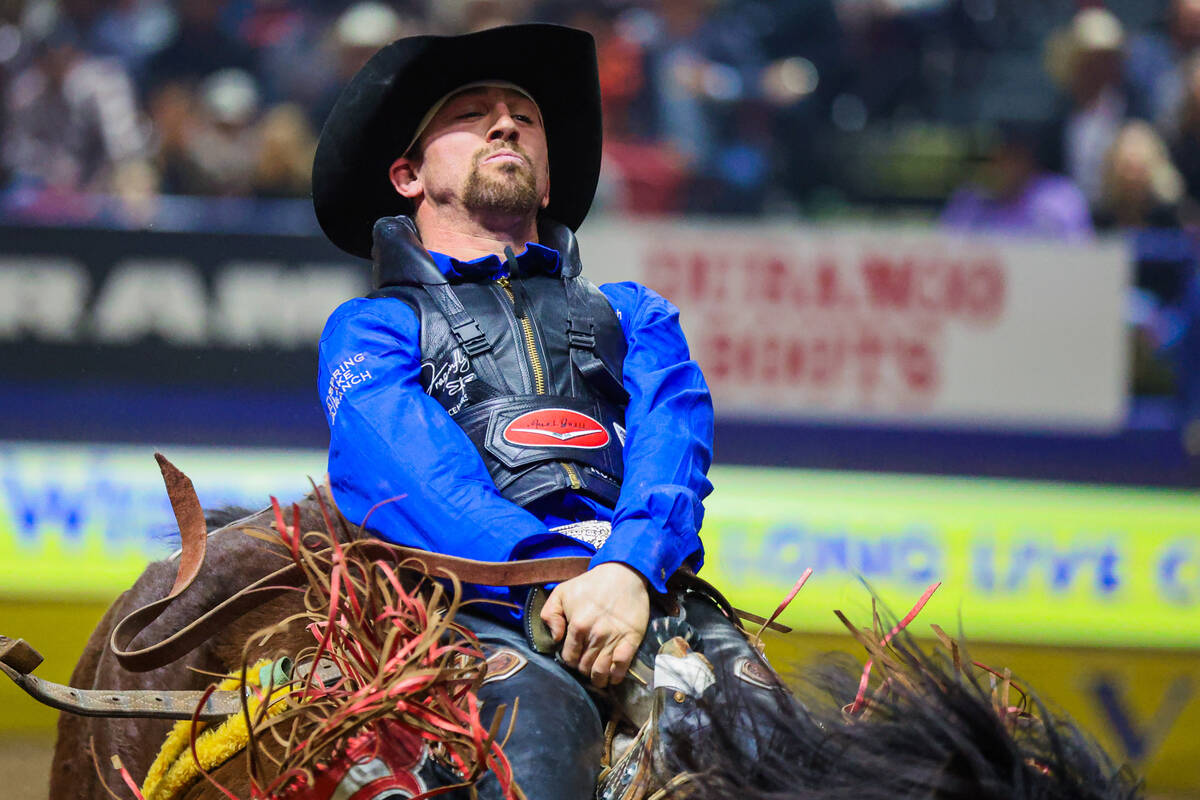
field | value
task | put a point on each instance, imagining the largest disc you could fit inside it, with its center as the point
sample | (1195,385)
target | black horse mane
(216,518)
(933,726)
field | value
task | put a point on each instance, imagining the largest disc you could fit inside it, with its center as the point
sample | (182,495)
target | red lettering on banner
(854,328)
(917,365)
(986,290)
(973,289)
(889,285)
(873,360)
(870,352)
(690,274)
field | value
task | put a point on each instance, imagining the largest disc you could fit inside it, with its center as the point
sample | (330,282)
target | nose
(504,127)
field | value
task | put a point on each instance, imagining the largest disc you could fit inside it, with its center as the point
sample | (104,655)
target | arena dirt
(25,767)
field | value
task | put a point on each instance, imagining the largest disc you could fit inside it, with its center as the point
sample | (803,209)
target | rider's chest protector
(529,367)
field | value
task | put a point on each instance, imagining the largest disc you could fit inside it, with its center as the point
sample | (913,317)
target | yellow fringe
(174,769)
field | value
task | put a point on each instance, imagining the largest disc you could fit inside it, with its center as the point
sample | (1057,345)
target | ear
(546,196)
(403,174)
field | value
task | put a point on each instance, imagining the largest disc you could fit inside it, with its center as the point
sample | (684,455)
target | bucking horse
(286,654)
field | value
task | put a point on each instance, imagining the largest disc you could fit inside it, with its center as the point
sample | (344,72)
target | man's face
(485,149)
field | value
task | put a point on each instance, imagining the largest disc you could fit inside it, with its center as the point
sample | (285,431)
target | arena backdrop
(881,349)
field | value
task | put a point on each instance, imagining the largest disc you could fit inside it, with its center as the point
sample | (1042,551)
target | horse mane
(933,726)
(217,518)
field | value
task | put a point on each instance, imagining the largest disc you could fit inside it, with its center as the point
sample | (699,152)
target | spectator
(70,118)
(703,77)
(1141,187)
(621,63)
(1157,64)
(285,153)
(133,31)
(173,119)
(287,38)
(1185,135)
(361,29)
(199,48)
(806,47)
(1019,196)
(1087,61)
(471,15)
(222,150)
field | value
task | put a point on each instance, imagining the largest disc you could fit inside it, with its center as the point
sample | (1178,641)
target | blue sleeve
(395,450)
(668,441)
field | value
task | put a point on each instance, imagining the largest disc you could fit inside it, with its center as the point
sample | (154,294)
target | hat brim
(378,112)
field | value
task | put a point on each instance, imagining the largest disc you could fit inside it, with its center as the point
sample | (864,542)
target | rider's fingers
(552,614)
(591,651)
(600,669)
(574,643)
(622,657)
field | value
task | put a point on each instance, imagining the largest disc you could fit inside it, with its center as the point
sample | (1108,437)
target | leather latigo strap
(127,703)
(194,536)
(187,638)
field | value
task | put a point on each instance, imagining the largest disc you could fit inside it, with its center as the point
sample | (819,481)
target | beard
(509,188)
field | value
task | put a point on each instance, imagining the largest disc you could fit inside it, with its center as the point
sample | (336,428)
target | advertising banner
(1023,562)
(168,309)
(888,324)
(80,522)
(877,325)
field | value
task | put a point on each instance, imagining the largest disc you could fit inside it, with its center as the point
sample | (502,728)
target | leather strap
(581,336)
(187,638)
(127,703)
(468,334)
(194,535)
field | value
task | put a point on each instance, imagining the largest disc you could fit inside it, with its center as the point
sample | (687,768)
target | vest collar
(534,259)
(401,259)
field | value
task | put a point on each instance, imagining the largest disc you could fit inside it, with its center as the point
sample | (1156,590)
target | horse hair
(217,518)
(932,731)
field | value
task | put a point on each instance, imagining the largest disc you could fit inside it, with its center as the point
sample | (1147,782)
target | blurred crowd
(1061,116)
(1121,151)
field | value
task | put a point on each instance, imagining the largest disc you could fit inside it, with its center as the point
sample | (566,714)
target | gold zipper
(572,475)
(535,363)
(535,360)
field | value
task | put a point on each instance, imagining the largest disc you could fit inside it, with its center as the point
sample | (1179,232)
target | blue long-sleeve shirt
(401,465)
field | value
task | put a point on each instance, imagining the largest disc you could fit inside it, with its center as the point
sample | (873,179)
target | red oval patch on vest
(556,427)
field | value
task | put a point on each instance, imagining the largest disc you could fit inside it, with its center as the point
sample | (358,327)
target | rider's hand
(600,617)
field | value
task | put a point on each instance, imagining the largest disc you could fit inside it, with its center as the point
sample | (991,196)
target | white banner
(888,325)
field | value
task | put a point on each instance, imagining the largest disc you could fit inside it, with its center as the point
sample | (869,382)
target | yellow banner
(80,522)
(1019,561)
(1036,563)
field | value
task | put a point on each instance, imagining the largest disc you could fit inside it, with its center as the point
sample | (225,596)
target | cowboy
(485,400)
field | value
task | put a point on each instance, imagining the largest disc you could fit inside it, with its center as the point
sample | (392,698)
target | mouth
(504,156)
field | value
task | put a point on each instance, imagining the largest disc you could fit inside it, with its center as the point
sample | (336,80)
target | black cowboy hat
(377,114)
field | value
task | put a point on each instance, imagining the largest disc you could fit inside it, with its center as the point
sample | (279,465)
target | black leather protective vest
(529,367)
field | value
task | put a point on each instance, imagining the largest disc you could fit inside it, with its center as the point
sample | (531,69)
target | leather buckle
(585,340)
(470,337)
